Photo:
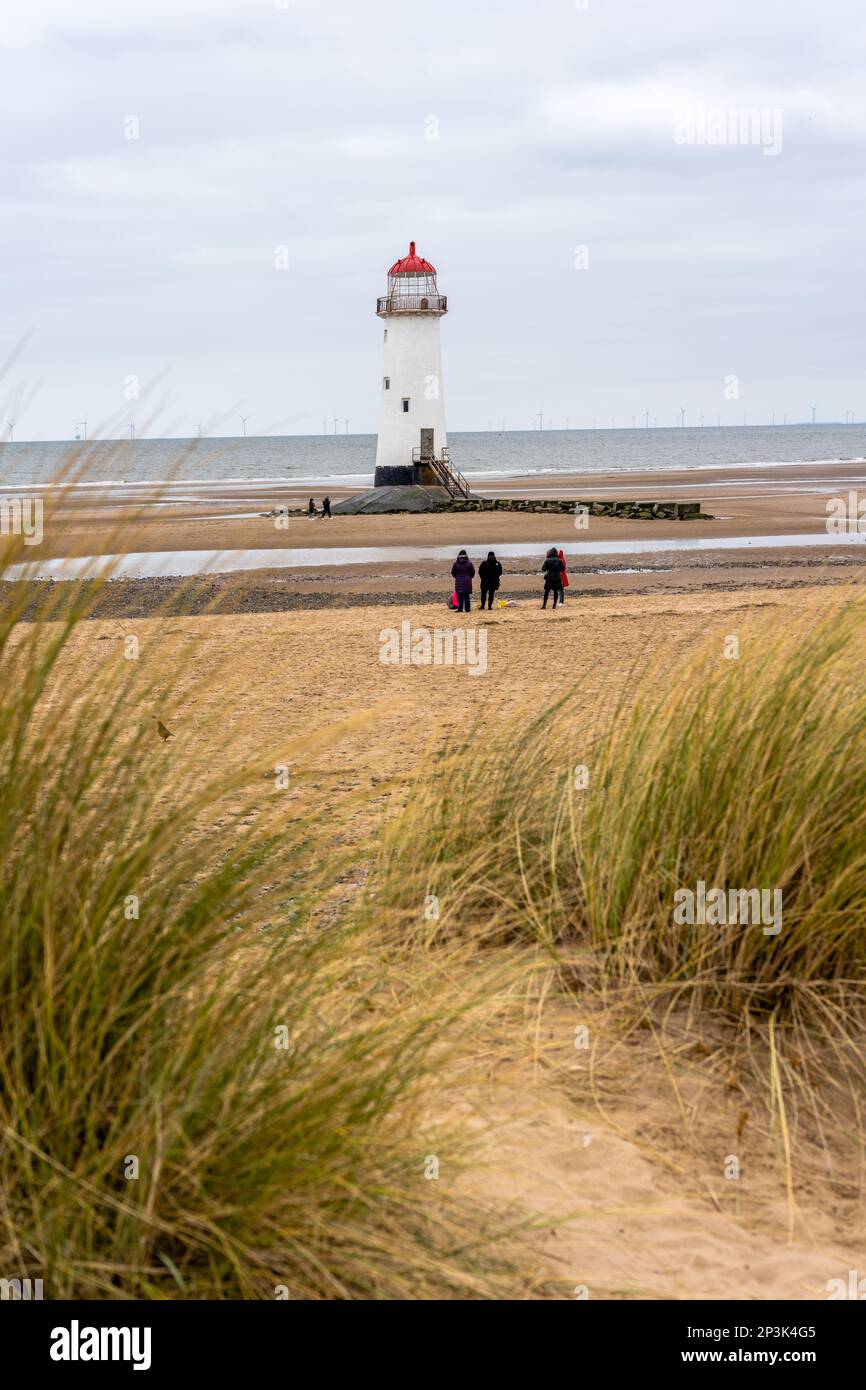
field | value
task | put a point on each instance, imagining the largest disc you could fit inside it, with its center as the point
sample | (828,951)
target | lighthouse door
(426,444)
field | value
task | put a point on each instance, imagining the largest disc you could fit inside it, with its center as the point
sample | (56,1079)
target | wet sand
(768,499)
(394,586)
(393,563)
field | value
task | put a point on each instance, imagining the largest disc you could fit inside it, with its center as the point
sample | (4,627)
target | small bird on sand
(164,733)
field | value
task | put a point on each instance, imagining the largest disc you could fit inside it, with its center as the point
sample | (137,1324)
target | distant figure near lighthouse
(412,439)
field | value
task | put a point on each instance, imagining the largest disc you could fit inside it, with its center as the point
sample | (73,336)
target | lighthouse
(412,447)
(413,470)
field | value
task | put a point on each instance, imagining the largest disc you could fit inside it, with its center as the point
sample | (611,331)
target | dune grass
(209,1089)
(202,1095)
(572,834)
(744,773)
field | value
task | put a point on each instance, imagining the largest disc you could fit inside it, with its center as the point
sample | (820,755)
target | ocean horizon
(349,458)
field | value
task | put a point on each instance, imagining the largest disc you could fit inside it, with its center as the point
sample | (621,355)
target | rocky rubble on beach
(273,591)
(632,510)
(642,511)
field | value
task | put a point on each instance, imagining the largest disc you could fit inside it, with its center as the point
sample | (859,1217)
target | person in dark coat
(463,572)
(552,571)
(311,510)
(326,506)
(488,572)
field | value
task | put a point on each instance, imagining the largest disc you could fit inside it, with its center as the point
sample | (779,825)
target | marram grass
(201,1094)
(747,773)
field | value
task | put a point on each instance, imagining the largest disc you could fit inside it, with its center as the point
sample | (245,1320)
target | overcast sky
(597,263)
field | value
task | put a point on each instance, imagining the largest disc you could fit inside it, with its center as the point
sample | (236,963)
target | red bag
(564,573)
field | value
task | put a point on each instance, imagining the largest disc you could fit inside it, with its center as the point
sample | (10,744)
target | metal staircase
(448,476)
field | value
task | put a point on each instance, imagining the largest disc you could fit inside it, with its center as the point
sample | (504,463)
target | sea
(318,461)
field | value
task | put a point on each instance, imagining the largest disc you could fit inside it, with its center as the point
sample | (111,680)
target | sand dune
(639,1202)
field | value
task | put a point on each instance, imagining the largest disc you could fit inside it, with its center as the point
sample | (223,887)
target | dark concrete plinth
(395,475)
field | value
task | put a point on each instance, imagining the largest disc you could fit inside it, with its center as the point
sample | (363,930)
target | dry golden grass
(201,1094)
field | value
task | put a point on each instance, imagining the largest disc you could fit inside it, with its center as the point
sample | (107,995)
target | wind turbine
(682,417)
(11,424)
(243,419)
(335,424)
(646,416)
(346,422)
(812,408)
(132,429)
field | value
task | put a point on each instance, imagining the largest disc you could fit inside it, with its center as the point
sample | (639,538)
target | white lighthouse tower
(412,445)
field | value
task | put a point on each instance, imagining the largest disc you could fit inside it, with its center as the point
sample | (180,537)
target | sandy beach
(193,528)
(761,500)
(293,649)
(293,652)
(647,1226)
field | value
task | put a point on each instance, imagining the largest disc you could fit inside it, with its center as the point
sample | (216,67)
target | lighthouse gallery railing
(412,304)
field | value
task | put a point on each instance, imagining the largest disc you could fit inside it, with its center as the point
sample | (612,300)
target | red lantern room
(412,288)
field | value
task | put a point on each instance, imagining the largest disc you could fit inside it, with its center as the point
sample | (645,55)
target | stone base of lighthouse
(394,498)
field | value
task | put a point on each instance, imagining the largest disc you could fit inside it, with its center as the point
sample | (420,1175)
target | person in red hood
(564,577)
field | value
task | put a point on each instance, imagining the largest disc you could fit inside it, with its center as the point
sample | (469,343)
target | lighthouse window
(405,405)
(386,383)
